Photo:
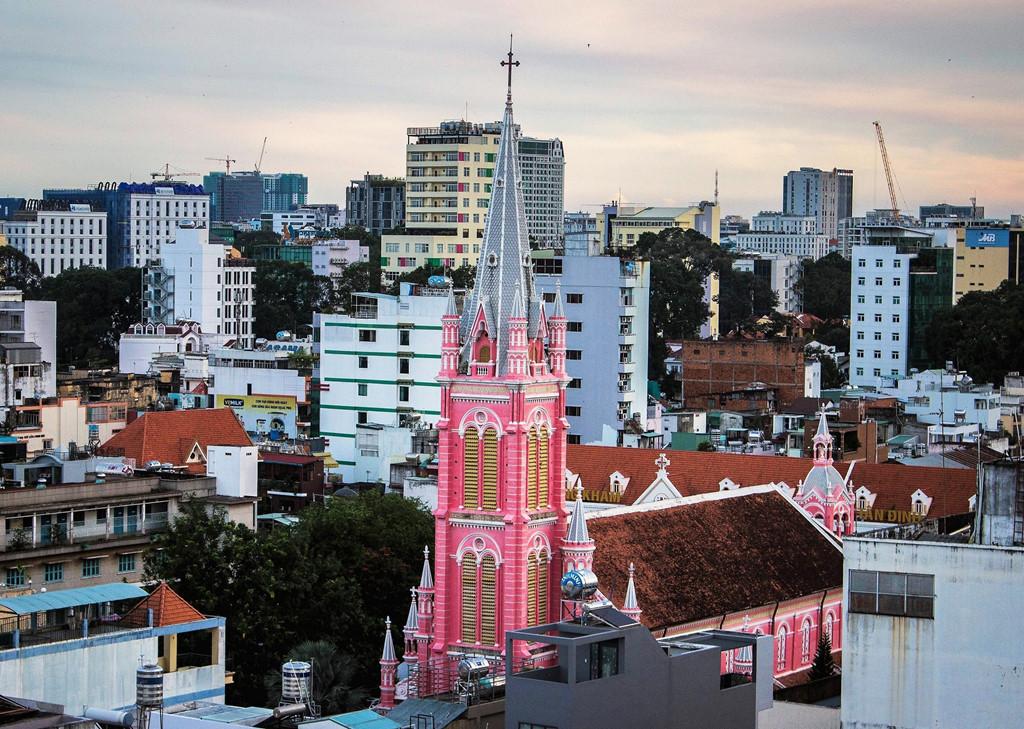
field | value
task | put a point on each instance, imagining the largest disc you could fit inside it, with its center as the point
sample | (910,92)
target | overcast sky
(649,98)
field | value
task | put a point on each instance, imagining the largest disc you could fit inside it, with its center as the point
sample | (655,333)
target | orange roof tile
(168,608)
(171,437)
(707,557)
(698,472)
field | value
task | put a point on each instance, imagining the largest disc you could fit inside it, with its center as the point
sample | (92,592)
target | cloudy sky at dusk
(649,98)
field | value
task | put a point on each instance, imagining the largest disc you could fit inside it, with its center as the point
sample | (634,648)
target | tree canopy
(286,295)
(463,277)
(983,334)
(94,307)
(743,298)
(18,271)
(333,576)
(825,287)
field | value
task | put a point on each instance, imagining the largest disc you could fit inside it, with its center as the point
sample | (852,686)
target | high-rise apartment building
(141,217)
(284,191)
(945,210)
(985,257)
(57,235)
(825,195)
(235,197)
(449,169)
(542,165)
(899,279)
(376,203)
(196,281)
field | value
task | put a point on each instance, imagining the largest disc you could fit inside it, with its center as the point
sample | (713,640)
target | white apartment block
(331,256)
(938,397)
(196,281)
(788,244)
(28,349)
(781,272)
(57,235)
(879,313)
(606,302)
(280,222)
(154,214)
(775,222)
(378,365)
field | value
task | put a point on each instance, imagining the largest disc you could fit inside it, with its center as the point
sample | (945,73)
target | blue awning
(63,599)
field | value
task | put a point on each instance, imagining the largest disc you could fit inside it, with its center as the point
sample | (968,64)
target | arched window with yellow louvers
(488,601)
(489,497)
(542,467)
(543,571)
(471,469)
(531,470)
(469,601)
(531,590)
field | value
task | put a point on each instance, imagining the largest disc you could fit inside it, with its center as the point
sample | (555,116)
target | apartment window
(896,281)
(896,263)
(403,337)
(895,354)
(15,577)
(860,298)
(362,388)
(878,317)
(573,439)
(364,363)
(878,263)
(895,336)
(878,281)
(575,383)
(896,300)
(367,335)
(860,372)
(573,410)
(53,572)
(860,354)
(878,299)
(892,593)
(574,298)
(861,281)
(861,263)
(860,335)
(549,297)
(125,563)
(574,326)
(575,354)
(895,318)
(877,372)
(878,336)
(78,519)
(403,365)
(878,354)
(604,659)
(90,567)
(403,393)
(361,417)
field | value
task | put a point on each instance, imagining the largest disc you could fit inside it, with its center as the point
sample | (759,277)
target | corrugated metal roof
(444,713)
(365,719)
(63,599)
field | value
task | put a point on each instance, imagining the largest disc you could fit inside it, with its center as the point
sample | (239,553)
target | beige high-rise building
(449,169)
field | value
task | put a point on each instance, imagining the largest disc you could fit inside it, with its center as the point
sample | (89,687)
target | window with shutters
(531,470)
(542,467)
(489,495)
(531,590)
(488,601)
(469,598)
(471,469)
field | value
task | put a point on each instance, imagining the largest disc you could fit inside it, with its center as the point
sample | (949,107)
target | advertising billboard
(271,416)
(987,238)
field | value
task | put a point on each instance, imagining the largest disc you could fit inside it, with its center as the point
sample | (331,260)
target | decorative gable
(864,498)
(618,483)
(920,502)
(727,484)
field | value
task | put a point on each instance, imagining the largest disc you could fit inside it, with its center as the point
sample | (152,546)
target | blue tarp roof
(63,599)
(365,719)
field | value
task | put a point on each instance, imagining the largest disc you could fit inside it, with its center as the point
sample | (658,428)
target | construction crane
(888,172)
(258,164)
(226,160)
(167,175)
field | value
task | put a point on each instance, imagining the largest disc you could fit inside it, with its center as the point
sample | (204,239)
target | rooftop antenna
(716,188)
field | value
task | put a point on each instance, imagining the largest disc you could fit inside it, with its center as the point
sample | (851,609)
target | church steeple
(630,607)
(504,269)
(388,670)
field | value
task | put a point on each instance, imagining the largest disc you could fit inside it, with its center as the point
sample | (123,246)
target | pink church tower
(824,494)
(501,499)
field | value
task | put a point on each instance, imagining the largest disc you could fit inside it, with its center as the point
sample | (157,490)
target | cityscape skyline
(647,111)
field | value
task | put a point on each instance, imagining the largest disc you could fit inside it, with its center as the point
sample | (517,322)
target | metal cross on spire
(510,63)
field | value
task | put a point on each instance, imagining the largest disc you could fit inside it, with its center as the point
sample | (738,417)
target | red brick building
(712,368)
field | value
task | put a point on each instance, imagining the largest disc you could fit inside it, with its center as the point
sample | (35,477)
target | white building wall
(41,328)
(774,222)
(802,246)
(58,240)
(961,669)
(879,313)
(329,257)
(610,375)
(364,353)
(153,220)
(235,468)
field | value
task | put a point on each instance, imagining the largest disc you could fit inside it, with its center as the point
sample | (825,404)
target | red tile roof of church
(168,607)
(698,472)
(713,556)
(169,437)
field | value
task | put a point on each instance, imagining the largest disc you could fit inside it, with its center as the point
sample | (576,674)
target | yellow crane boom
(888,172)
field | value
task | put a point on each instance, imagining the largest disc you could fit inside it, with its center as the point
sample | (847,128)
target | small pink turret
(388,670)
(630,608)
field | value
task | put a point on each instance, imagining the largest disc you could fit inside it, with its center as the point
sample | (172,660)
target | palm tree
(332,677)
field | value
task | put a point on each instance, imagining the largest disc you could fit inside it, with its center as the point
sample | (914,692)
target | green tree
(825,287)
(681,263)
(463,277)
(833,335)
(332,672)
(983,334)
(94,307)
(823,666)
(361,234)
(248,241)
(18,271)
(743,298)
(831,376)
(286,295)
(356,278)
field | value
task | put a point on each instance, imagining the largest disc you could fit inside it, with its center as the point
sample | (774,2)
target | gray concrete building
(376,203)
(611,672)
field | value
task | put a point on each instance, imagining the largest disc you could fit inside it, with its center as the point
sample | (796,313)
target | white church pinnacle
(426,578)
(389,643)
(577,533)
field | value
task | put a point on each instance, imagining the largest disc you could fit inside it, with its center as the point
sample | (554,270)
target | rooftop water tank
(296,679)
(149,686)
